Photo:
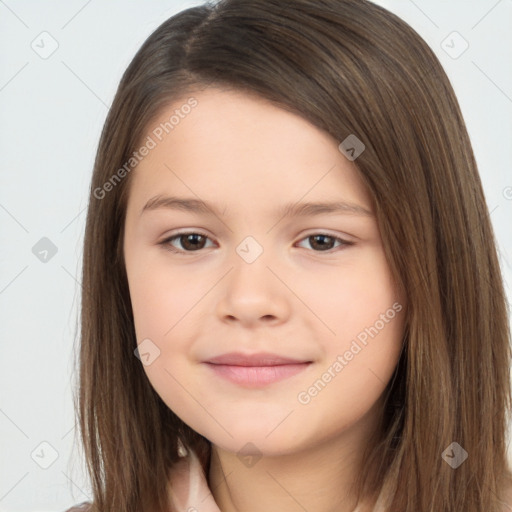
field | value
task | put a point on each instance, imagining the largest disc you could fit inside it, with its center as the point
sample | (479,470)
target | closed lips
(255,371)
(238,359)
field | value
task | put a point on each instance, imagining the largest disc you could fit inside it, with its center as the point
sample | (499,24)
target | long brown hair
(349,67)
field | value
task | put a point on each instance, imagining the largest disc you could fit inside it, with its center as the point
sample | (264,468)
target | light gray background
(52,109)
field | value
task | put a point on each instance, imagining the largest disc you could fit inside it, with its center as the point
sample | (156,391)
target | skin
(249,157)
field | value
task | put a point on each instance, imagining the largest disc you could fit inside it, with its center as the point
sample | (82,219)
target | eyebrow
(288,210)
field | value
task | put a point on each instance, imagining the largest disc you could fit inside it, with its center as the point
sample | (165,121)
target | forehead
(234,146)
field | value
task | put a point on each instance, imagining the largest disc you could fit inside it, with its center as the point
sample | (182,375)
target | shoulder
(82,507)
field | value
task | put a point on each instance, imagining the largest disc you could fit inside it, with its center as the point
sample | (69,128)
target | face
(299,301)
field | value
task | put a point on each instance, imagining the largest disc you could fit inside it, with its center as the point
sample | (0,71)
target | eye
(192,241)
(324,241)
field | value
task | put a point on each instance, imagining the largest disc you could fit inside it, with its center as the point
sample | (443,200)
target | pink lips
(255,370)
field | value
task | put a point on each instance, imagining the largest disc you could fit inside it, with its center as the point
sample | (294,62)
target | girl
(291,294)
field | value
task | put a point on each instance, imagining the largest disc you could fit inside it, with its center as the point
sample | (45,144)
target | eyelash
(166,243)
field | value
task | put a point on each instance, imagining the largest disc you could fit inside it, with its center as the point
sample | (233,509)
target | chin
(255,440)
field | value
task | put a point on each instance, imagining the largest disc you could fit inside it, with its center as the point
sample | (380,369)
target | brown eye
(322,242)
(189,242)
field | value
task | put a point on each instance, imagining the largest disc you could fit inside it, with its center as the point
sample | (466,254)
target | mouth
(256,370)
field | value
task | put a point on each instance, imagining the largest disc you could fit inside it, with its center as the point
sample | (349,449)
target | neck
(320,478)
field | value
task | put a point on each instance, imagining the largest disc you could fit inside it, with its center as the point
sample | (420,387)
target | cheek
(166,310)
(356,370)
(162,297)
(163,309)
(361,338)
(351,298)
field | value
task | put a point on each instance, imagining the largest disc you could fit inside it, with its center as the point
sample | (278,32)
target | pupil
(322,245)
(193,238)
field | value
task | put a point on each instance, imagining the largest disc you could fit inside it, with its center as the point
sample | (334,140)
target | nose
(252,294)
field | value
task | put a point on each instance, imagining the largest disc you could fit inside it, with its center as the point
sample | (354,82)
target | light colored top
(188,485)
